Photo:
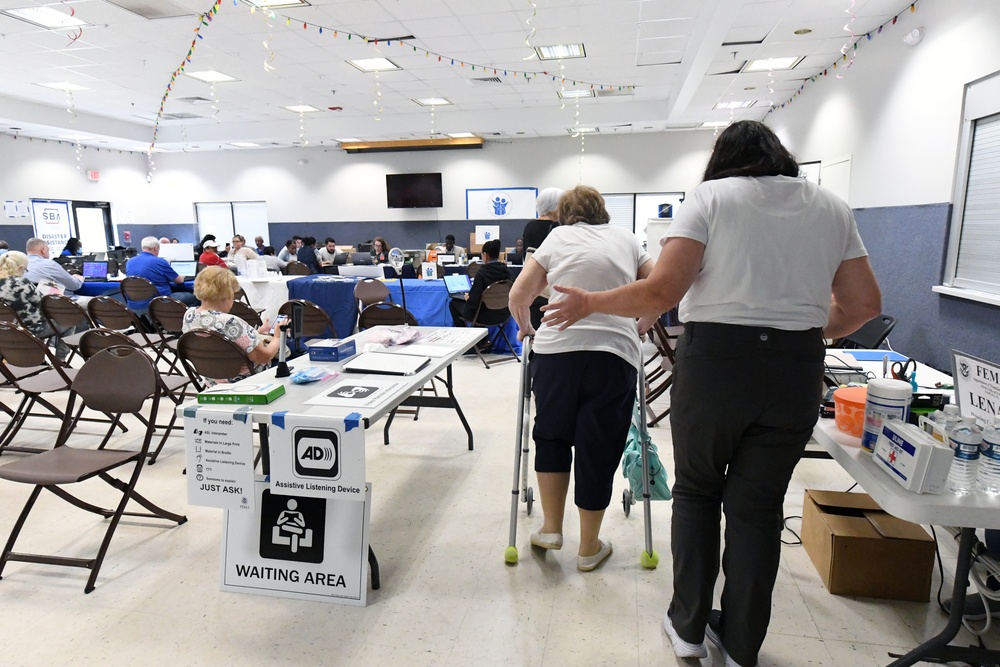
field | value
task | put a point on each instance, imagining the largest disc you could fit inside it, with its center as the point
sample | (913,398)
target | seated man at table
(150,266)
(272,262)
(327,255)
(493,270)
(449,247)
(42,268)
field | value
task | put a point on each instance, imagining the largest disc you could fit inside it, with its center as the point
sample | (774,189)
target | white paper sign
(300,547)
(363,392)
(977,387)
(52,222)
(317,456)
(486,233)
(429,271)
(219,455)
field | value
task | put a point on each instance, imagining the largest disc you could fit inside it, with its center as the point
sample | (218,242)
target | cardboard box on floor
(860,550)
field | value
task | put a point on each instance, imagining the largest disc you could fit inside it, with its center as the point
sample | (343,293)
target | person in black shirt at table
(307,254)
(491,272)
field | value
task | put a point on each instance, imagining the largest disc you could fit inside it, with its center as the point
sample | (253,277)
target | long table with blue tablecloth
(102,288)
(427,300)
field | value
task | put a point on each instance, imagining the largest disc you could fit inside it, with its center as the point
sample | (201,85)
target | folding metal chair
(208,355)
(315,322)
(494,311)
(246,313)
(389,314)
(62,312)
(167,315)
(52,470)
(112,314)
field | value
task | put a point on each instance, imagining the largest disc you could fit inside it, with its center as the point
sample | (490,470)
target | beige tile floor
(439,526)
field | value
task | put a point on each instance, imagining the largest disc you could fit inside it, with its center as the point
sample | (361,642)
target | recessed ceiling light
(574,94)
(771,64)
(45,17)
(716,123)
(803,31)
(558,51)
(276,4)
(211,76)
(301,108)
(432,101)
(244,144)
(374,64)
(461,135)
(735,104)
(63,86)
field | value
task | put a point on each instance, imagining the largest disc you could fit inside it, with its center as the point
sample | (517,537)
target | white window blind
(250,220)
(621,208)
(978,265)
(215,218)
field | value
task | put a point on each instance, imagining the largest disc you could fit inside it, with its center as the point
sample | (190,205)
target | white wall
(333,185)
(897,111)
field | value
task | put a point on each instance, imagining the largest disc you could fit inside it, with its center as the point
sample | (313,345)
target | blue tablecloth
(100,288)
(334,294)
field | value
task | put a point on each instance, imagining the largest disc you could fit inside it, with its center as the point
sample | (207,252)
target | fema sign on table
(500,203)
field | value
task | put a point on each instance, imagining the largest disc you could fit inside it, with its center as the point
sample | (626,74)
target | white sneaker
(682,649)
(553,541)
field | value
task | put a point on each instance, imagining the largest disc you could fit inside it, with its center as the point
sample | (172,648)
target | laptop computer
(185,269)
(362,258)
(445,258)
(340,259)
(95,271)
(457,284)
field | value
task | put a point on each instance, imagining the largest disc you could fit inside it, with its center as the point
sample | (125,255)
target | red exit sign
(93,175)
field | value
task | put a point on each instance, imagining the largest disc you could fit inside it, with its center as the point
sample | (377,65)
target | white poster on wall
(52,222)
(500,203)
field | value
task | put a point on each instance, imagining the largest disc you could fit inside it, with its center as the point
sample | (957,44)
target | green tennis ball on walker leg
(510,556)
(649,561)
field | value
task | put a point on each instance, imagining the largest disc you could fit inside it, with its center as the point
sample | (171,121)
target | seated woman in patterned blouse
(24,298)
(216,287)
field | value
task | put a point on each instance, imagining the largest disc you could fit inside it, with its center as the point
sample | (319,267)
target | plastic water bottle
(989,459)
(965,440)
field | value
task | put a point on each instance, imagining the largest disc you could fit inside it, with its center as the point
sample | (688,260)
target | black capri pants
(582,400)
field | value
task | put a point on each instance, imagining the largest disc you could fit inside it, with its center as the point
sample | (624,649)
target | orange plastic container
(849,409)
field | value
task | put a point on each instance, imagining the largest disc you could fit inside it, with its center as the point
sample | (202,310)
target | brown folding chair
(62,312)
(137,288)
(369,291)
(112,314)
(34,371)
(659,378)
(208,355)
(315,322)
(246,313)
(389,314)
(494,311)
(52,470)
(9,315)
(297,269)
(472,269)
(171,386)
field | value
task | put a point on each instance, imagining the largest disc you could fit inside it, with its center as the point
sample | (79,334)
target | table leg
(937,648)
(449,385)
(373,568)
(433,402)
(265,450)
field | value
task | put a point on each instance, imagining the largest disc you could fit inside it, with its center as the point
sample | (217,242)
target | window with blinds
(972,267)
(224,219)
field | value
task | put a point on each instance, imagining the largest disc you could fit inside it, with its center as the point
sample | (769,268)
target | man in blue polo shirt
(148,265)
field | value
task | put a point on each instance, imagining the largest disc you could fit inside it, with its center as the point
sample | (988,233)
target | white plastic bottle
(951,419)
(964,440)
(989,459)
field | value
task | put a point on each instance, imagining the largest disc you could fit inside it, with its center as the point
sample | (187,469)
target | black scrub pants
(743,405)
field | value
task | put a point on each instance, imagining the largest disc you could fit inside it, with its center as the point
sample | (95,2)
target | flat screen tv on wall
(413,191)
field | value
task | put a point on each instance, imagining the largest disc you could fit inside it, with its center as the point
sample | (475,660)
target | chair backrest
(137,288)
(241,295)
(209,354)
(390,314)
(472,269)
(493,308)
(135,380)
(94,340)
(9,315)
(315,321)
(297,269)
(871,334)
(19,348)
(167,314)
(661,339)
(61,311)
(246,313)
(369,291)
(112,314)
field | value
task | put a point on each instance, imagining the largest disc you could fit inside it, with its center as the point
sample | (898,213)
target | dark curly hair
(749,148)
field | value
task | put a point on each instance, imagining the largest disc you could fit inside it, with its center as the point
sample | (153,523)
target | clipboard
(383,363)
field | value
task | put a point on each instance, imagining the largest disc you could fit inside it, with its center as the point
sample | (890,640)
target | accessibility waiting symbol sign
(292,528)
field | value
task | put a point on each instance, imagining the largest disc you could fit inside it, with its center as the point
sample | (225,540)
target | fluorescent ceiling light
(716,123)
(211,76)
(75,137)
(301,108)
(63,86)
(574,94)
(432,101)
(244,144)
(45,17)
(735,104)
(276,4)
(559,51)
(348,140)
(374,64)
(582,130)
(461,135)
(771,64)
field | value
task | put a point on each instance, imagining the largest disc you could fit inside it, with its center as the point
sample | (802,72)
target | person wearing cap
(449,247)
(210,254)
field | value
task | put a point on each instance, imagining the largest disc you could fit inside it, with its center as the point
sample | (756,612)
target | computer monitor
(362,259)
(95,270)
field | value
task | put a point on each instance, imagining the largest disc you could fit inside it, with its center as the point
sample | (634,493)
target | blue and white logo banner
(500,203)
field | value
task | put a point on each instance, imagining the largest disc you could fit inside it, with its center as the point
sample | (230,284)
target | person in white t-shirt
(767,264)
(583,379)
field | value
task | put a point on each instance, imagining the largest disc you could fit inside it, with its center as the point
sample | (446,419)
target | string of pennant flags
(847,56)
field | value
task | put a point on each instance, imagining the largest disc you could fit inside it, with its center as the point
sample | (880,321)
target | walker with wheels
(649,559)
